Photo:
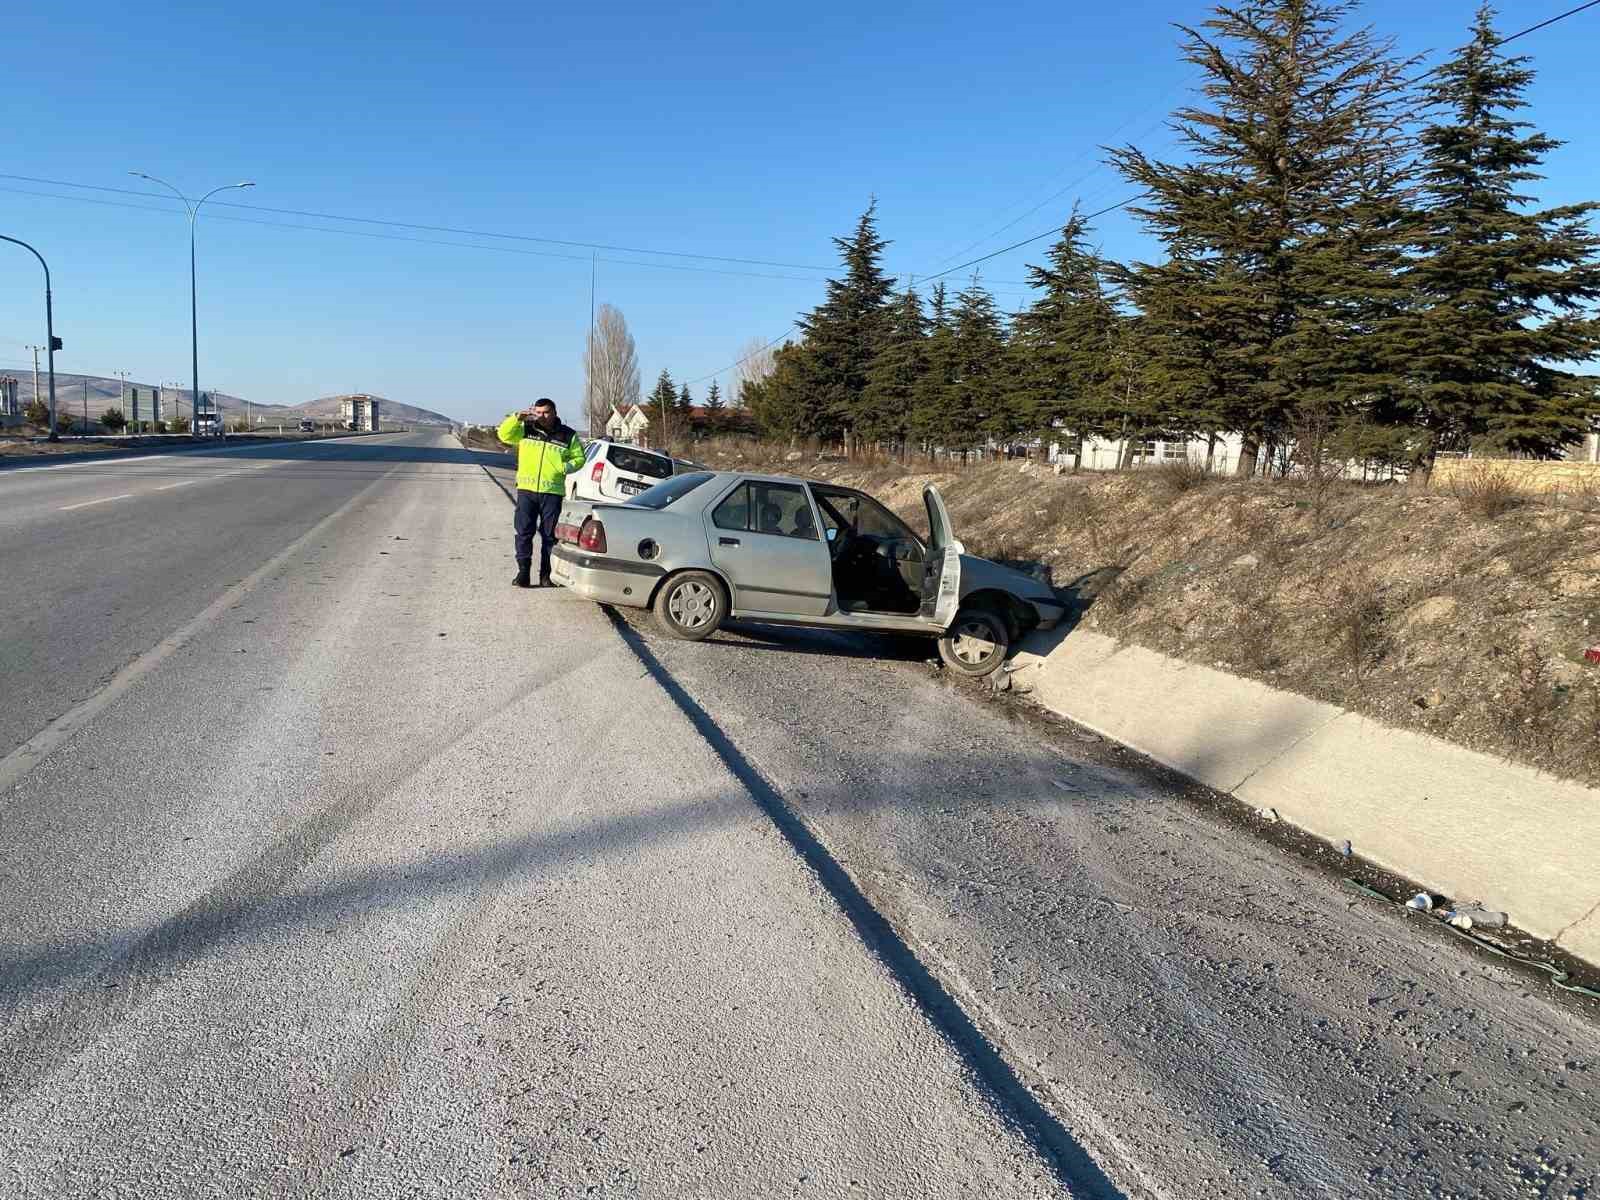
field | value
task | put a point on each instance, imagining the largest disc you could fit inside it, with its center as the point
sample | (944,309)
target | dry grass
(1357,618)
(1316,598)
(1489,490)
(1530,714)
(1174,479)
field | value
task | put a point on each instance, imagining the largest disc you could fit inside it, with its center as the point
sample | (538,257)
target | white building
(359,412)
(1105,454)
(629,425)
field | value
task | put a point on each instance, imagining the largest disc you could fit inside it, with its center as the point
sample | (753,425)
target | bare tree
(755,364)
(610,367)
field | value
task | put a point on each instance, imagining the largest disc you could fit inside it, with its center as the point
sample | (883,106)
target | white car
(615,472)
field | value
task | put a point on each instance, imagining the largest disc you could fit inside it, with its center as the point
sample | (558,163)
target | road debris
(1471,915)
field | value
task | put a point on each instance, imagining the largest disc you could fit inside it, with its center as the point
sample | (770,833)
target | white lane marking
(33,751)
(102,500)
(167,487)
(132,459)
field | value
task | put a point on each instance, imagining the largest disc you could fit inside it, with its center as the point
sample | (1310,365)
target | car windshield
(674,489)
(638,462)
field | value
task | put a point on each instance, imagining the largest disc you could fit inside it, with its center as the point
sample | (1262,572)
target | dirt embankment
(1462,613)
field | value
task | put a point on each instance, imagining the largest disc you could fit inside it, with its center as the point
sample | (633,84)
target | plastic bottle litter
(1466,918)
(1422,902)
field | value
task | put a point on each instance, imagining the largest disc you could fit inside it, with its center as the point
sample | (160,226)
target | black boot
(522,580)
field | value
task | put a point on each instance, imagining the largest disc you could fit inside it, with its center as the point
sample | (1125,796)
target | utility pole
(85,379)
(36,350)
(122,393)
(588,372)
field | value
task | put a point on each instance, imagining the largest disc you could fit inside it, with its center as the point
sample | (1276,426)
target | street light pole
(194,320)
(49,333)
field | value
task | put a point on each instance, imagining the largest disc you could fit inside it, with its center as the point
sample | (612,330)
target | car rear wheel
(976,642)
(691,606)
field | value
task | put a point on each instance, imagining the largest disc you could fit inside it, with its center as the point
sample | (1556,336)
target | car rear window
(638,463)
(671,491)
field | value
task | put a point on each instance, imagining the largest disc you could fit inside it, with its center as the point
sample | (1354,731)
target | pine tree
(896,373)
(979,390)
(715,418)
(932,409)
(1276,180)
(844,332)
(1499,291)
(661,402)
(1062,343)
(779,403)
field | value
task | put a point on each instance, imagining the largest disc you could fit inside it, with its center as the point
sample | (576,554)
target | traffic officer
(546,451)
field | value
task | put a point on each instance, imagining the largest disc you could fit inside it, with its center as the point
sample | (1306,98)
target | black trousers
(537,510)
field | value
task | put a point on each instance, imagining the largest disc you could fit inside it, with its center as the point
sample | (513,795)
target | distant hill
(326,408)
(96,393)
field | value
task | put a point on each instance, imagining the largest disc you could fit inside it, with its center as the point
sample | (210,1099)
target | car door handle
(722,541)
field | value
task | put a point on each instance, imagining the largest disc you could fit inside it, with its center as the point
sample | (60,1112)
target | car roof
(630,446)
(765,477)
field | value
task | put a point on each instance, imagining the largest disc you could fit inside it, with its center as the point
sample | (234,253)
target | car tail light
(598,472)
(566,532)
(592,536)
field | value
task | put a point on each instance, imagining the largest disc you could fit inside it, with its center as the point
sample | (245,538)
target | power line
(394,237)
(744,357)
(1571,12)
(460,232)
(1051,232)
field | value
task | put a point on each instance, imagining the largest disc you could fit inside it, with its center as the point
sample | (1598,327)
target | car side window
(781,508)
(734,511)
(874,520)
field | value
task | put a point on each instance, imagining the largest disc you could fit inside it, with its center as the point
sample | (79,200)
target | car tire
(976,643)
(691,605)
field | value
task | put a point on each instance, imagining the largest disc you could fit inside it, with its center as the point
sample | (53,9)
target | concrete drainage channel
(1462,824)
(1538,959)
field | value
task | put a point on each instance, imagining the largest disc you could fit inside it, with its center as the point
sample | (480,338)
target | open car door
(941,570)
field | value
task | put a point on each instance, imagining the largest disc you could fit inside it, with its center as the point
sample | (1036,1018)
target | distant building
(359,413)
(629,425)
(10,404)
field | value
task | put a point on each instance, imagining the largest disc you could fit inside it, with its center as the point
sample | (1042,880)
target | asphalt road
(330,865)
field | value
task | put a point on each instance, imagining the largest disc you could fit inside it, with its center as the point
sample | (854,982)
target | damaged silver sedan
(705,546)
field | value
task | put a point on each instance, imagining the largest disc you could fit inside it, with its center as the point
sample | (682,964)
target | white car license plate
(630,488)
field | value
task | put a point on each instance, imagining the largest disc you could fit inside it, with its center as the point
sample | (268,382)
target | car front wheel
(691,606)
(976,642)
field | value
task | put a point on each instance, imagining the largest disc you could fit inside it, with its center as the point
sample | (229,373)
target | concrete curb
(1462,823)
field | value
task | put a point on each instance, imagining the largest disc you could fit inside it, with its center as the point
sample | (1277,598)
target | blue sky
(747,131)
